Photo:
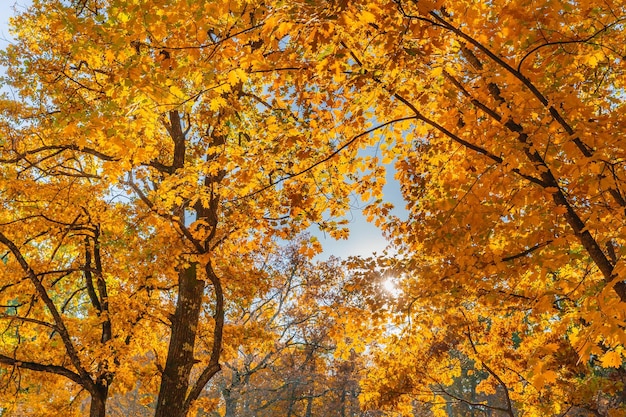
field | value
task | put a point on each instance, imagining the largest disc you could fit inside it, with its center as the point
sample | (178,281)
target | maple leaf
(611,359)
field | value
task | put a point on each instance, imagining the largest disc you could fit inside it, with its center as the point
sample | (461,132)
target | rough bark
(97,406)
(180,360)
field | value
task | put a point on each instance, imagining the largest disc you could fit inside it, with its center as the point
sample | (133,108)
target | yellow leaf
(611,359)
(549,377)
(176,91)
(486,386)
(437,71)
(233,78)
(282,29)
(367,17)
(123,17)
(109,56)
(145,400)
(217,103)
(426,6)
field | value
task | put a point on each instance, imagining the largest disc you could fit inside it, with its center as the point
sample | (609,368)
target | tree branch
(84,377)
(213,366)
(34,366)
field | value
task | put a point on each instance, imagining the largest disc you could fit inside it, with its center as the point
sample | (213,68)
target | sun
(389,285)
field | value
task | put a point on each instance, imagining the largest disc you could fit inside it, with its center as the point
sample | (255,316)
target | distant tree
(283,363)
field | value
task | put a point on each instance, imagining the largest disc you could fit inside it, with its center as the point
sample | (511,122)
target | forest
(167,168)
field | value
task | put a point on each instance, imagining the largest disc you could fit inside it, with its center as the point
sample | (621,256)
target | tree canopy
(162,161)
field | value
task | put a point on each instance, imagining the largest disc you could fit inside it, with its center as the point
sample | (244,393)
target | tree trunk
(309,401)
(180,360)
(292,401)
(230,401)
(342,400)
(97,407)
(246,398)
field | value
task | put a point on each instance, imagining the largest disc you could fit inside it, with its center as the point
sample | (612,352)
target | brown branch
(567,42)
(34,366)
(509,409)
(213,366)
(449,134)
(72,295)
(325,159)
(93,297)
(160,166)
(208,45)
(63,236)
(548,180)
(457,398)
(102,289)
(585,150)
(174,128)
(177,221)
(84,376)
(58,148)
(28,320)
(526,252)
(465,143)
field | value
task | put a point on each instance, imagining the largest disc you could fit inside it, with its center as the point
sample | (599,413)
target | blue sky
(364,238)
(6,10)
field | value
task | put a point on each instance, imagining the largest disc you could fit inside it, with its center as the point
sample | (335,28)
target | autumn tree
(278,354)
(150,150)
(283,360)
(504,122)
(154,148)
(271,329)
